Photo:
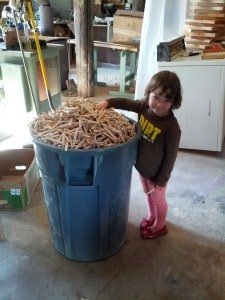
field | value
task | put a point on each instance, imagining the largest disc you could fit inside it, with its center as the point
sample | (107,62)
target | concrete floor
(188,263)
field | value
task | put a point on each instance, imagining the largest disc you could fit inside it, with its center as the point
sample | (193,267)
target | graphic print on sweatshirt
(148,130)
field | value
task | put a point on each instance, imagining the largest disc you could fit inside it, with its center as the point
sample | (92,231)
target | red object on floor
(148,234)
(145,223)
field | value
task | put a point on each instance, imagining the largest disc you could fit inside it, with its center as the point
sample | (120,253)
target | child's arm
(121,103)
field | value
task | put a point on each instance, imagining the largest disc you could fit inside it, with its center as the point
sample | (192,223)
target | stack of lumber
(205,24)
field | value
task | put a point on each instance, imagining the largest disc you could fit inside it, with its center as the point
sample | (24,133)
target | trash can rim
(56,148)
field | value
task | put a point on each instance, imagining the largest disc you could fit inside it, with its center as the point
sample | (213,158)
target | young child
(159,144)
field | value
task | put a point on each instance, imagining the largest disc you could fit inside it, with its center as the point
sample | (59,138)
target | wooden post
(138,5)
(83,19)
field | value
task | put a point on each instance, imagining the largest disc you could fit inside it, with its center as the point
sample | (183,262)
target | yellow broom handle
(43,70)
(38,45)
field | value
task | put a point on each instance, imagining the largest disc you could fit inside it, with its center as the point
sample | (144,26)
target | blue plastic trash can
(87,194)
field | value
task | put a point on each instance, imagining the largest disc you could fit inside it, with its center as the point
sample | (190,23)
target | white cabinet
(201,115)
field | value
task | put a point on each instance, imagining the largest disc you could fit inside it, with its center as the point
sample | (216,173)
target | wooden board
(200,34)
(214,21)
(209,15)
(207,33)
(203,44)
(209,1)
(203,27)
(207,9)
(118,46)
(196,47)
(213,55)
(196,41)
(208,4)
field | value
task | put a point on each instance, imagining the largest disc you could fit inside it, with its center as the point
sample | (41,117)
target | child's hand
(102,105)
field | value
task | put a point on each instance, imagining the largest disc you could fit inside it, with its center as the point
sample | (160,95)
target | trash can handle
(83,179)
(97,162)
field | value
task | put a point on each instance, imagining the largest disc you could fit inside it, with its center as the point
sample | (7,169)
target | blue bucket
(87,195)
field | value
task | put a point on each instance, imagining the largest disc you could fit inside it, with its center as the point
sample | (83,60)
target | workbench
(15,83)
(128,64)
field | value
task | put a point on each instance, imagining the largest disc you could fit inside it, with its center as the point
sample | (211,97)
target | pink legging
(157,204)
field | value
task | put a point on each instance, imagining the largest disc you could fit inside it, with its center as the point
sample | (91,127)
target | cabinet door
(199,114)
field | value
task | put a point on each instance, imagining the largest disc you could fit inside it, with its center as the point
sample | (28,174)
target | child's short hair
(170,85)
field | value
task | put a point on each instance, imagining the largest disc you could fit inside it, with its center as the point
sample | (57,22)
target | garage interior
(186,263)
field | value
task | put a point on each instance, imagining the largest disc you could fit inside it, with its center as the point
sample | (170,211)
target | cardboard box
(127,25)
(19,176)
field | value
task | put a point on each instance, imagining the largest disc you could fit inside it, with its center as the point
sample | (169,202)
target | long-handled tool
(40,56)
(24,62)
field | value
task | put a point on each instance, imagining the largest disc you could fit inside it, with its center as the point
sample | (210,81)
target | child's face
(159,104)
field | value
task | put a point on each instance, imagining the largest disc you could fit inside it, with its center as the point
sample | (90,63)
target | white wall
(163,19)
